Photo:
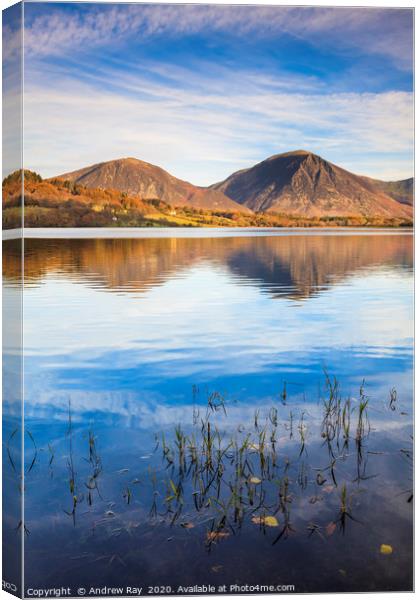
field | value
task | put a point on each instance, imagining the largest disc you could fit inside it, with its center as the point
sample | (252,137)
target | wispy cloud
(374,30)
(12,89)
(206,90)
(203,130)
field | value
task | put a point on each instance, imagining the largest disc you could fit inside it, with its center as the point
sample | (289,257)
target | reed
(392,399)
(209,473)
(302,429)
(9,449)
(35,452)
(95,462)
(71,469)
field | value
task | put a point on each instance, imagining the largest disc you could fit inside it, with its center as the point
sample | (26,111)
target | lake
(217,410)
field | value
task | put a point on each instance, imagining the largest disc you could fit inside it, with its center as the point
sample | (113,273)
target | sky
(203,91)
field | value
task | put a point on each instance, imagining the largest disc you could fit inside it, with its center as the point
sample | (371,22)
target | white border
(338,3)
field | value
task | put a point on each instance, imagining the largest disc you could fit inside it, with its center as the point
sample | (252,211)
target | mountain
(59,202)
(150,182)
(402,191)
(302,183)
(296,189)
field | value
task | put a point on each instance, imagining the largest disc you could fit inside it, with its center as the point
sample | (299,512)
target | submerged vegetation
(220,477)
(295,481)
(245,476)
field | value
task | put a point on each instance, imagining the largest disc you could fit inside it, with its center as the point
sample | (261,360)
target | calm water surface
(229,342)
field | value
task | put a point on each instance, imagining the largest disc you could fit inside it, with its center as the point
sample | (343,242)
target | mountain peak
(126,161)
(305,184)
(292,153)
(149,182)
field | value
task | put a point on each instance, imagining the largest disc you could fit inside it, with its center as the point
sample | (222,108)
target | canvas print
(207,299)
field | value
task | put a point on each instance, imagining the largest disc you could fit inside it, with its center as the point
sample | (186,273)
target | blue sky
(206,90)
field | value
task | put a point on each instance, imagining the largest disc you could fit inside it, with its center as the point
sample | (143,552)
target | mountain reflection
(295,266)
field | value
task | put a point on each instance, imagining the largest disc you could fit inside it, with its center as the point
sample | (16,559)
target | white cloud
(204,129)
(206,120)
(382,31)
(12,95)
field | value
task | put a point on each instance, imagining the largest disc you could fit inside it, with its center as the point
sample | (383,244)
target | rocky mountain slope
(402,191)
(150,182)
(302,183)
(295,189)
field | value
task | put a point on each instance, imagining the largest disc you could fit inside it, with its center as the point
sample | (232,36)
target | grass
(71,469)
(35,452)
(392,399)
(9,450)
(95,462)
(345,510)
(220,478)
(234,473)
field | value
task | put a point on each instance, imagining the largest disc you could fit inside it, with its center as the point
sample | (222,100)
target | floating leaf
(327,489)
(187,525)
(330,528)
(271,521)
(254,480)
(386,549)
(214,536)
(268,521)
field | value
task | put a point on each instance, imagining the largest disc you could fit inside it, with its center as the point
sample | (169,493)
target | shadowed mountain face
(402,191)
(292,266)
(149,182)
(302,183)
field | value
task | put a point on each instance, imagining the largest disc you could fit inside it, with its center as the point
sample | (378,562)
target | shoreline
(191,232)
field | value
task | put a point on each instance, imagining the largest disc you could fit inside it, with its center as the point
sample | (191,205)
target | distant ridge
(303,183)
(150,182)
(402,191)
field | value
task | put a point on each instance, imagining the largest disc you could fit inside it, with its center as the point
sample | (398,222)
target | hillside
(302,183)
(62,203)
(402,191)
(296,189)
(140,178)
